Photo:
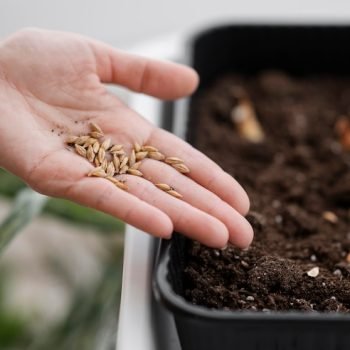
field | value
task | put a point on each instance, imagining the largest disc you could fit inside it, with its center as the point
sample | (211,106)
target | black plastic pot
(299,50)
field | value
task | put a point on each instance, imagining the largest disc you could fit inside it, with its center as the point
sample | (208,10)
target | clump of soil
(298,180)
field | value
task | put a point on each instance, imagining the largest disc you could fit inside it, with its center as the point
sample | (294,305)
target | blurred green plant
(10,185)
(91,322)
(13,328)
(27,205)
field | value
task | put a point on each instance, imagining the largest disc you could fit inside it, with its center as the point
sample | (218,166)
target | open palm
(51,85)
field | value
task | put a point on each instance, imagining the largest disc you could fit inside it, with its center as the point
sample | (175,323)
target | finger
(202,169)
(102,195)
(153,77)
(186,219)
(240,231)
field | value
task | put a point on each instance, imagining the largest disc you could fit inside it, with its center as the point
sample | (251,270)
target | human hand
(51,85)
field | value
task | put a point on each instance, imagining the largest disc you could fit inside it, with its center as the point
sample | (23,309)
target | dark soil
(294,177)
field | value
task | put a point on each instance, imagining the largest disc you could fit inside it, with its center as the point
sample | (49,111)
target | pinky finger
(102,195)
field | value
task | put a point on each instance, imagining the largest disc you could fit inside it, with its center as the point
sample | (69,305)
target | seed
(81,140)
(134,172)
(123,169)
(112,179)
(115,148)
(136,166)
(250,298)
(347,259)
(149,149)
(121,185)
(99,172)
(132,158)
(244,264)
(156,155)
(104,164)
(182,168)
(101,154)
(71,139)
(118,183)
(97,162)
(106,144)
(116,163)
(124,161)
(245,120)
(137,147)
(164,187)
(110,169)
(90,155)
(80,150)
(118,153)
(314,272)
(173,160)
(141,155)
(96,147)
(96,134)
(174,194)
(95,127)
(330,217)
(90,141)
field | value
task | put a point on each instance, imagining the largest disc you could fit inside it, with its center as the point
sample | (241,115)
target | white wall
(125,22)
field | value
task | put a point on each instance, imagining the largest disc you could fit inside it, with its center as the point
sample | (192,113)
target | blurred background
(60,264)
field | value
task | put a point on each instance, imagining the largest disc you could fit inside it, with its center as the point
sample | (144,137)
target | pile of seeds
(111,159)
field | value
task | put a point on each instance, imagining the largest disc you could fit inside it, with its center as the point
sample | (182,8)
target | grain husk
(134,172)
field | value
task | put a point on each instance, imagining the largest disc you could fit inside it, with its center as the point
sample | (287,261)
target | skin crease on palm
(56,81)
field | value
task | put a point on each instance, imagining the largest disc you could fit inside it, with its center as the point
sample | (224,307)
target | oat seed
(96,134)
(80,150)
(110,169)
(96,147)
(134,172)
(163,187)
(116,163)
(124,161)
(104,164)
(106,143)
(95,127)
(116,148)
(330,217)
(90,155)
(136,166)
(148,148)
(174,194)
(71,139)
(141,155)
(97,162)
(173,160)
(101,154)
(123,169)
(81,140)
(98,172)
(132,158)
(137,147)
(156,156)
(182,168)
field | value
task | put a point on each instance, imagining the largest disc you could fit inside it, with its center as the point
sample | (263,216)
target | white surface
(124,22)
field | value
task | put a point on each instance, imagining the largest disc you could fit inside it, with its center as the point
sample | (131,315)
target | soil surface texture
(297,174)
